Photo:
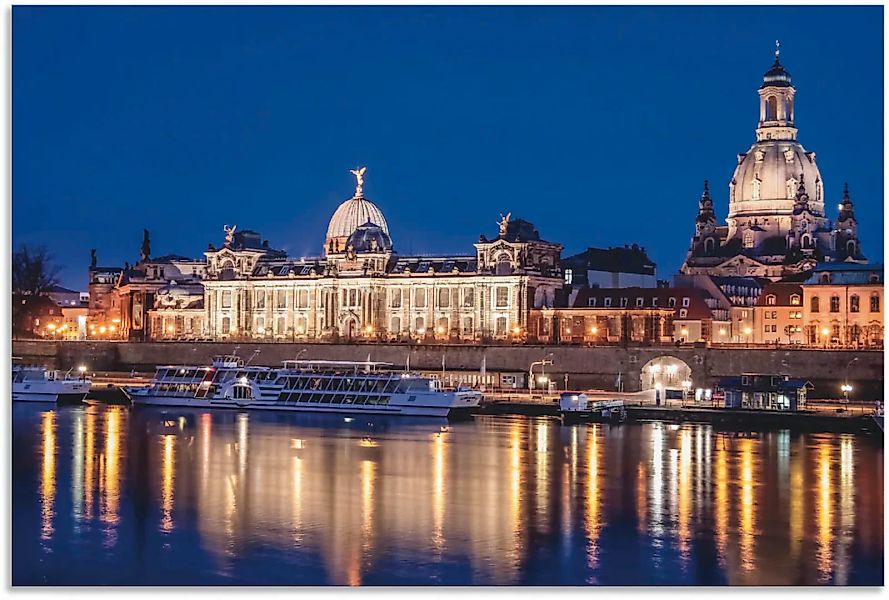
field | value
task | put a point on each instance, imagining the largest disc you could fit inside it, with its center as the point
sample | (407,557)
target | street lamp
(542,364)
(747,332)
(846,388)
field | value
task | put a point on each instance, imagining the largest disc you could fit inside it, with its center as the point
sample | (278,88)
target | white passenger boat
(37,384)
(320,386)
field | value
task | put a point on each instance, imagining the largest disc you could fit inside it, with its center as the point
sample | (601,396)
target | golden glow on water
(168,475)
(825,512)
(593,516)
(109,504)
(685,492)
(48,474)
(721,500)
(748,517)
(512,496)
(89,463)
(438,491)
(847,509)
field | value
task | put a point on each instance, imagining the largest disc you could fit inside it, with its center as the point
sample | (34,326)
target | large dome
(352,214)
(768,176)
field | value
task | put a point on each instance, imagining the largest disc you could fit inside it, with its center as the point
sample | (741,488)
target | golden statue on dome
(229,234)
(359,176)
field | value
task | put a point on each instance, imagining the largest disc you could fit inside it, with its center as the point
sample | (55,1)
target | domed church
(776,223)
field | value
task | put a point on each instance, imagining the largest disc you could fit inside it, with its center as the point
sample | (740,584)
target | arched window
(825,278)
(395,327)
(420,325)
(834,304)
(709,245)
(850,247)
(226,325)
(771,300)
(504,265)
(794,299)
(443,327)
(771,109)
(806,242)
(748,239)
(875,303)
(815,304)
(467,325)
(301,326)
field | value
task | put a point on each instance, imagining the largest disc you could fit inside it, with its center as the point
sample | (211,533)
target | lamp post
(542,364)
(846,388)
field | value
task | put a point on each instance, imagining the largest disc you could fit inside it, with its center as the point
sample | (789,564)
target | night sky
(598,124)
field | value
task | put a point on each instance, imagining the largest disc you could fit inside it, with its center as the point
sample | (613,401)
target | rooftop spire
(777,49)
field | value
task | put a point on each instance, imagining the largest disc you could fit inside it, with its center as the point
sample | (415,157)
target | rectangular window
(607,302)
(395,298)
(685,302)
(569,276)
(302,298)
(640,302)
(853,303)
(501,326)
(282,299)
(226,299)
(468,297)
(420,298)
(259,300)
(444,298)
(226,325)
(875,303)
(592,302)
(502,298)
(623,302)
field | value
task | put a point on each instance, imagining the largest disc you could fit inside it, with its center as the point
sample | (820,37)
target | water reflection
(254,498)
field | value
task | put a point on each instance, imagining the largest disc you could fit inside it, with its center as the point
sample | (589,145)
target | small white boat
(576,406)
(320,386)
(37,384)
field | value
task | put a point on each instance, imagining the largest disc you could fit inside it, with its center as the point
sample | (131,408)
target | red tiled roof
(697,306)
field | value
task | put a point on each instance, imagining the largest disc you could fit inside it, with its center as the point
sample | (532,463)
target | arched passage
(666,373)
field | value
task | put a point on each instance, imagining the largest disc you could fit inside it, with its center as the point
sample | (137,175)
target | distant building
(360,288)
(632,315)
(843,305)
(67,297)
(776,223)
(778,315)
(763,392)
(609,268)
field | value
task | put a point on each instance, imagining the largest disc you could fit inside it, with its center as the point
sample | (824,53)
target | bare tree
(33,270)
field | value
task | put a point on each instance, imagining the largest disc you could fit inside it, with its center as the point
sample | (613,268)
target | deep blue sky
(598,124)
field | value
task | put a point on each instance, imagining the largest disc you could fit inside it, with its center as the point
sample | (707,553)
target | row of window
(445,297)
(333,399)
(640,302)
(854,303)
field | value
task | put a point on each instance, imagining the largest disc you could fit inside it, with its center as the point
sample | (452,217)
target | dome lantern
(352,214)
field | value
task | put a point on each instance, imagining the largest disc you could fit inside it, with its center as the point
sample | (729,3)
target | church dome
(352,214)
(767,178)
(369,238)
(776,76)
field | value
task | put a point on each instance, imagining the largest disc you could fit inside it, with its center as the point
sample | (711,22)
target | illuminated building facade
(360,287)
(776,223)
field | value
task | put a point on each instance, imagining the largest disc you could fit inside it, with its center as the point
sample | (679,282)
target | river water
(113,495)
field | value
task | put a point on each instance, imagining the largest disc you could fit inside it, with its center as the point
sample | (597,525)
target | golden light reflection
(168,474)
(748,524)
(683,527)
(77,468)
(721,506)
(825,516)
(438,491)
(48,474)
(109,504)
(593,516)
(641,499)
(542,475)
(847,510)
(89,464)
(656,506)
(297,497)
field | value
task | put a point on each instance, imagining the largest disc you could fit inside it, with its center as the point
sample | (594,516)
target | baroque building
(776,223)
(360,287)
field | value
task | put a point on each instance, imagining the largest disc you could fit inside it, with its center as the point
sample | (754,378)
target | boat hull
(60,398)
(454,410)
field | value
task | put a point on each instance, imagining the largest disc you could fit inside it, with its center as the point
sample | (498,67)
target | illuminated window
(468,297)
(569,276)
(444,297)
(834,304)
(420,297)
(875,303)
(771,300)
(748,239)
(853,303)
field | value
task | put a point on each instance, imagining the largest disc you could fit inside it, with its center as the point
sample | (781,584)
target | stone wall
(586,367)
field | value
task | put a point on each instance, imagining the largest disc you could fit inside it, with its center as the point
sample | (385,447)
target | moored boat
(576,406)
(33,383)
(320,386)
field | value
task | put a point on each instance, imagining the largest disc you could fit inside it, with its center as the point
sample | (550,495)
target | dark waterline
(112,495)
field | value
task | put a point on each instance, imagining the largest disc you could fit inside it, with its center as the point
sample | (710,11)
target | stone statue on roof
(503,223)
(229,234)
(359,176)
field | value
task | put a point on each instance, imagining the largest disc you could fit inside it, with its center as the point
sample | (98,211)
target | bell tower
(776,103)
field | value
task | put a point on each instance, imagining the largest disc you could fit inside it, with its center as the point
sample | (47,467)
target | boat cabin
(764,392)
